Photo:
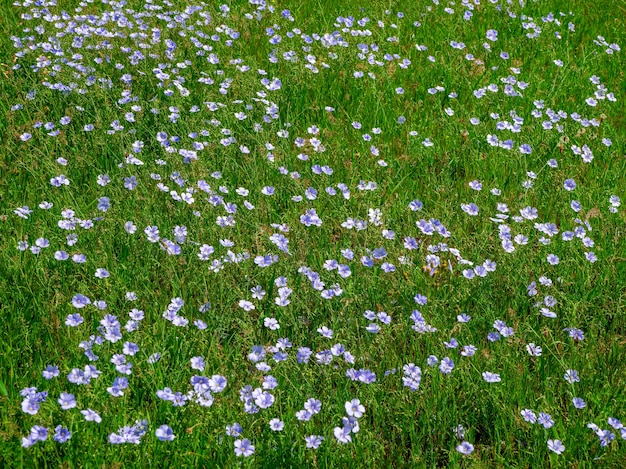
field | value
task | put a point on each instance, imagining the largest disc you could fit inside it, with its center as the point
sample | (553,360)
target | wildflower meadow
(312,233)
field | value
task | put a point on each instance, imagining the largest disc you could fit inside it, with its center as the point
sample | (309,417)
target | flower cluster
(212,171)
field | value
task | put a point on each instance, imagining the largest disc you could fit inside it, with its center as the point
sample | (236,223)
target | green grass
(400,428)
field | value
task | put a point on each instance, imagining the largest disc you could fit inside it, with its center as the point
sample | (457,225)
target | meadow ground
(312,234)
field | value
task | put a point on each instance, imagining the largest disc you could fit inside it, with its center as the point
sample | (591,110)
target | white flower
(246,305)
(354,408)
(556,446)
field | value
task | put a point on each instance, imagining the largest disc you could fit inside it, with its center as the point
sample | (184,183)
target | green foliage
(400,428)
